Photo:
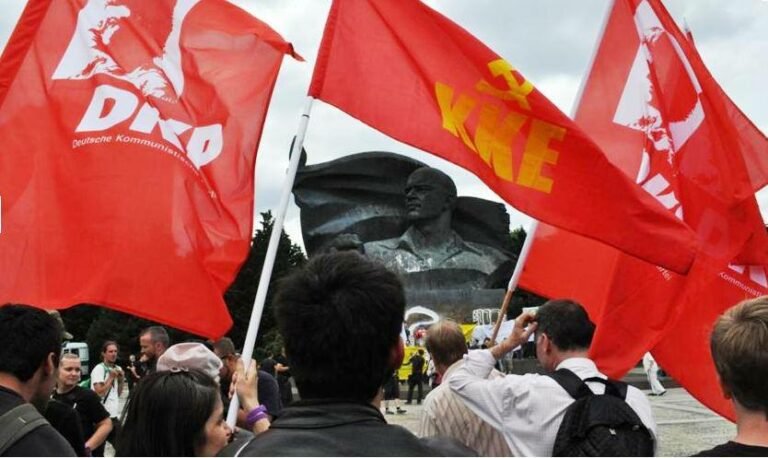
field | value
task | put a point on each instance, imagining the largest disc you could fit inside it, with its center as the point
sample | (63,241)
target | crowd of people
(340,317)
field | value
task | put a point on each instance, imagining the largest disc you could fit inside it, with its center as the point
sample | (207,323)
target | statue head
(429,193)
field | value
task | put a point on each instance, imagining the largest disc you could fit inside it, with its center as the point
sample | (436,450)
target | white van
(81,350)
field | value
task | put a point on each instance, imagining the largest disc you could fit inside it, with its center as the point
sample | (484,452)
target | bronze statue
(432,238)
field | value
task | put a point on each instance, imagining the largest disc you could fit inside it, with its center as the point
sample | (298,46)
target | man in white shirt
(528,409)
(445,414)
(108,380)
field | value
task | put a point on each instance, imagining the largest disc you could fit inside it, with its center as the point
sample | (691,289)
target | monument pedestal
(456,304)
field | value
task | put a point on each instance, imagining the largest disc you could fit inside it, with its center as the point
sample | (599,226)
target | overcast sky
(548,41)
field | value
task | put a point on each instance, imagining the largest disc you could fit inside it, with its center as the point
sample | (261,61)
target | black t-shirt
(417,364)
(268,366)
(269,393)
(283,377)
(731,448)
(66,421)
(266,389)
(43,441)
(88,406)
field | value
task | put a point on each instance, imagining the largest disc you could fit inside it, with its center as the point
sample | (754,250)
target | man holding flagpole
(530,410)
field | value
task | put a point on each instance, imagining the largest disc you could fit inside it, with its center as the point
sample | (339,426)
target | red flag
(652,104)
(129,132)
(416,76)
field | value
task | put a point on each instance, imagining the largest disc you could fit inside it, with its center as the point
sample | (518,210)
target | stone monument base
(456,304)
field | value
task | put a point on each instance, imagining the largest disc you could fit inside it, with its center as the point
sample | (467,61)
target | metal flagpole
(269,260)
(535,224)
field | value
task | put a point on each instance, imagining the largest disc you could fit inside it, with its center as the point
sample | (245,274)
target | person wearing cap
(196,356)
(190,355)
(57,316)
(177,411)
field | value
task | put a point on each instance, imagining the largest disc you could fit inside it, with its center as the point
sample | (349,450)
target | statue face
(425,198)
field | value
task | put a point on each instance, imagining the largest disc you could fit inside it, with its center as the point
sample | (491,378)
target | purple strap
(258,413)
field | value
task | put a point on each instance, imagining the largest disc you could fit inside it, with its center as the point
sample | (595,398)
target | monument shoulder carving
(460,265)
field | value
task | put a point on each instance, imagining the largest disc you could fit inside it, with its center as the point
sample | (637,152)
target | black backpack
(17,423)
(599,424)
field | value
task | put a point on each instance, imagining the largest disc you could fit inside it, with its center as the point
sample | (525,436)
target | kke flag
(652,105)
(129,133)
(411,73)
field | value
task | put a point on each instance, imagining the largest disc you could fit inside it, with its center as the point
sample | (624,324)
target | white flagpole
(269,260)
(515,277)
(535,224)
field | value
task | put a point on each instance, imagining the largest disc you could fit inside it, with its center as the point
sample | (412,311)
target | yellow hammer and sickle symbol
(517,92)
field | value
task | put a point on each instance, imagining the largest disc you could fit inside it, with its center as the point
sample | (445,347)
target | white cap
(186,356)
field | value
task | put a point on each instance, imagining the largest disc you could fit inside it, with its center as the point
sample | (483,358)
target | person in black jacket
(30,345)
(340,317)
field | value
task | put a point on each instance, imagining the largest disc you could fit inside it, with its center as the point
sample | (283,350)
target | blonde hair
(739,345)
(70,355)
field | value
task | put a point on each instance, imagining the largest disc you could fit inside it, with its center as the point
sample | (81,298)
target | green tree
(517,238)
(78,320)
(521,297)
(95,325)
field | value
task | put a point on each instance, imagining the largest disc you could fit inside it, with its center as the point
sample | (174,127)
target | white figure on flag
(88,54)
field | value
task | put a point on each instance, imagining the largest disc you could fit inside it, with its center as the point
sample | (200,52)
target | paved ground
(685,426)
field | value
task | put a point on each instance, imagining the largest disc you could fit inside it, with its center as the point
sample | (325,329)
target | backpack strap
(17,423)
(613,387)
(571,383)
(577,388)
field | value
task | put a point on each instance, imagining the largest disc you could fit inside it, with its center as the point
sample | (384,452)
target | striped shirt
(445,414)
